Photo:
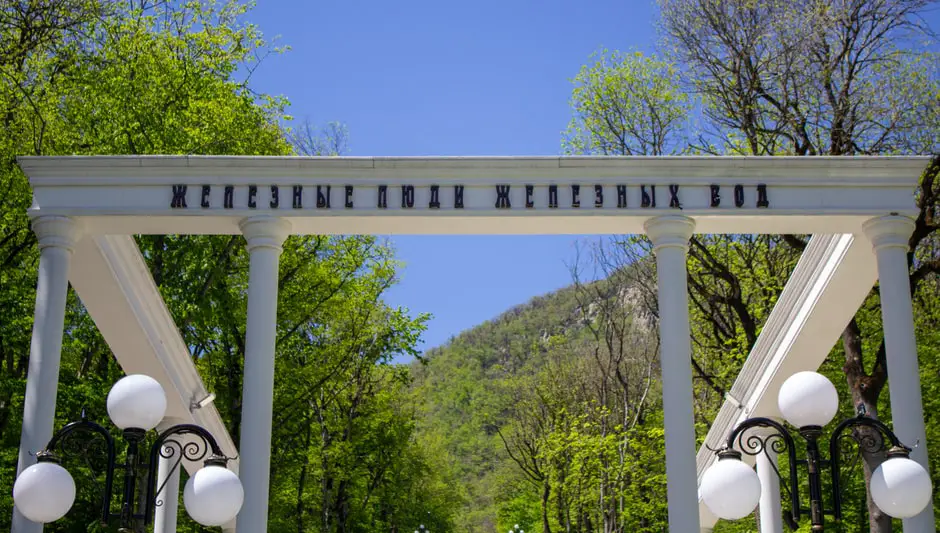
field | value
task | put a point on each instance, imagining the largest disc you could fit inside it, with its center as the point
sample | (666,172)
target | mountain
(549,416)
(461,387)
(559,354)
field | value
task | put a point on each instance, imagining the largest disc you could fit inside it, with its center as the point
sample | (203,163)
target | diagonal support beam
(830,282)
(115,285)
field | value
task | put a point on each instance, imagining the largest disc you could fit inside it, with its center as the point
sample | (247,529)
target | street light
(421,529)
(731,490)
(516,529)
(45,491)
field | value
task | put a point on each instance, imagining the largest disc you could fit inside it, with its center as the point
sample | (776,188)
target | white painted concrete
(113,281)
(670,236)
(129,195)
(133,194)
(771,517)
(889,237)
(164,520)
(57,237)
(265,236)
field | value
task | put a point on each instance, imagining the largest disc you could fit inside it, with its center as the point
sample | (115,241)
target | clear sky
(418,77)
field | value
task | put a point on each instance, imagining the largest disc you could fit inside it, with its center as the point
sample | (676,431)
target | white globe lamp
(213,495)
(808,399)
(44,492)
(900,486)
(136,401)
(730,489)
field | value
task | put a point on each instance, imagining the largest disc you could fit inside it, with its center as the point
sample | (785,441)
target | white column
(265,235)
(670,236)
(771,514)
(706,519)
(164,518)
(889,236)
(57,237)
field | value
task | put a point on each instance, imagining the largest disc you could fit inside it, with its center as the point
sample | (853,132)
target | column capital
(265,232)
(669,231)
(56,231)
(892,231)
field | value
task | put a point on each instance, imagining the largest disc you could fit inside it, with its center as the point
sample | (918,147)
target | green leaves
(82,77)
(626,104)
(344,454)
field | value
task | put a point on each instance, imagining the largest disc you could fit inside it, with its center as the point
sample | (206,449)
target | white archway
(86,209)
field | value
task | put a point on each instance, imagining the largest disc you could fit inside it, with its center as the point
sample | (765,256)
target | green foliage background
(548,416)
(131,77)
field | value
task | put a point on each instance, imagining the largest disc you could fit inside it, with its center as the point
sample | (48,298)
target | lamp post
(45,491)
(422,529)
(516,529)
(731,489)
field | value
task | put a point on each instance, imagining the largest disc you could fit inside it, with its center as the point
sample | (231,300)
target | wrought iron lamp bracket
(63,438)
(779,441)
(866,443)
(170,444)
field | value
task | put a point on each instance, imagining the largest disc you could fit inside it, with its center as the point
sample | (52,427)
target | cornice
(821,170)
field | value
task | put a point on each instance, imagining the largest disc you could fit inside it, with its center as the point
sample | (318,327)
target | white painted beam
(830,282)
(798,168)
(114,284)
(135,194)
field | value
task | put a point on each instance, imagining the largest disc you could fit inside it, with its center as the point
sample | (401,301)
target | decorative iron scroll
(846,448)
(170,450)
(65,442)
(172,444)
(868,436)
(184,441)
(778,441)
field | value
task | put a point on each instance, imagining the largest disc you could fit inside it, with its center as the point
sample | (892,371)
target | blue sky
(419,77)
(450,78)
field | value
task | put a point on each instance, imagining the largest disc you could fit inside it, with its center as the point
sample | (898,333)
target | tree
(535,418)
(807,78)
(85,77)
(624,385)
(331,139)
(782,78)
(579,427)
(626,104)
(131,77)
(621,103)
(818,78)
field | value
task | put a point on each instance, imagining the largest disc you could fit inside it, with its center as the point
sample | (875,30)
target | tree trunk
(326,483)
(341,506)
(562,511)
(865,389)
(546,493)
(301,482)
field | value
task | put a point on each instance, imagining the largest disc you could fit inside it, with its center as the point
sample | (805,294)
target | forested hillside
(549,416)
(535,408)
